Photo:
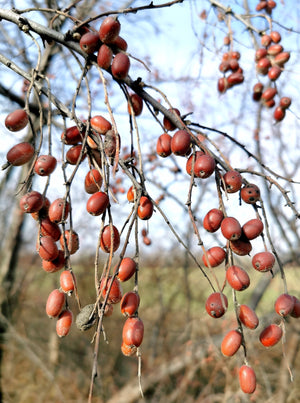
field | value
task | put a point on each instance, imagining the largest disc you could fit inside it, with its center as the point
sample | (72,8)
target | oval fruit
(135,102)
(55,303)
(110,239)
(31,202)
(282,58)
(45,165)
(72,136)
(237,278)
(231,343)
(93,181)
(47,248)
(49,228)
(127,269)
(252,228)
(163,145)
(269,94)
(274,73)
(181,143)
(133,332)
(279,114)
(271,335)
(72,241)
(130,194)
(168,125)
(52,266)
(204,166)
(274,50)
(145,209)
(275,35)
(97,203)
(216,255)
(59,210)
(109,29)
(266,40)
(263,261)
(89,42)
(64,322)
(233,181)
(285,102)
(192,160)
(67,282)
(260,53)
(248,317)
(118,44)
(115,293)
(235,78)
(104,57)
(212,220)
(129,303)
(120,66)
(231,228)
(263,65)
(100,124)
(20,154)
(16,120)
(250,193)
(240,247)
(284,304)
(257,91)
(216,304)
(73,155)
(222,84)
(247,379)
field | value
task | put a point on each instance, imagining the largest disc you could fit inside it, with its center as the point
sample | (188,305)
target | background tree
(238,65)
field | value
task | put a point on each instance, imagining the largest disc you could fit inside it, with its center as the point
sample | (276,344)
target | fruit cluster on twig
(270,60)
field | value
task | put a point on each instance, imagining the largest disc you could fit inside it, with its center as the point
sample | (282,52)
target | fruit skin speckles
(216,305)
(250,193)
